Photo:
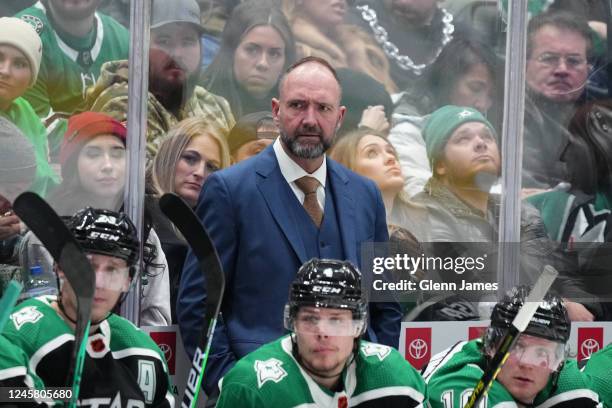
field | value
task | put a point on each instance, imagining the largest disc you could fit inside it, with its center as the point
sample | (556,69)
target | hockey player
(123,366)
(323,363)
(535,373)
(598,370)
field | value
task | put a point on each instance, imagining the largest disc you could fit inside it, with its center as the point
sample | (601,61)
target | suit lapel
(273,188)
(345,208)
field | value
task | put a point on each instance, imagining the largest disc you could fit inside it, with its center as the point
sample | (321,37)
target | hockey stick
(519,324)
(11,294)
(49,228)
(183,217)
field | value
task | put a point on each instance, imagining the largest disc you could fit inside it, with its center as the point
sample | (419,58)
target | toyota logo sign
(417,349)
(167,350)
(588,347)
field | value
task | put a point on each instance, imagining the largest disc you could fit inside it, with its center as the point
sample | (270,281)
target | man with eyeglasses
(535,374)
(557,72)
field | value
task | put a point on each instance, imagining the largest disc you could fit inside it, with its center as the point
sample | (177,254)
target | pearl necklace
(391,50)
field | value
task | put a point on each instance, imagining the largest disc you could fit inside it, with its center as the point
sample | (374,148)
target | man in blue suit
(265,227)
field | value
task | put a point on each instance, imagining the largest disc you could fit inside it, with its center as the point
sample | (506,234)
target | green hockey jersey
(70,65)
(598,371)
(271,377)
(452,375)
(123,365)
(14,371)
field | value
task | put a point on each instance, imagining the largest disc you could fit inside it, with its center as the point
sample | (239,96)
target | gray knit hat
(21,35)
(17,158)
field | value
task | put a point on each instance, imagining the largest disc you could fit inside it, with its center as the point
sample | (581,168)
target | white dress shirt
(291,171)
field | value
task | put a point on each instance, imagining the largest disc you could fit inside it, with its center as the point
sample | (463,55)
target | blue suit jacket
(261,250)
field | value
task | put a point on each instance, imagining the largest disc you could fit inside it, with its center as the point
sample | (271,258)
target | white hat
(21,35)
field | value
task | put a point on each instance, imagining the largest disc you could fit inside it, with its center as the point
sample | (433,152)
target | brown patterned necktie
(309,186)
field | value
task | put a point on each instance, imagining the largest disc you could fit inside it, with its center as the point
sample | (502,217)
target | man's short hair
(562,20)
(306,60)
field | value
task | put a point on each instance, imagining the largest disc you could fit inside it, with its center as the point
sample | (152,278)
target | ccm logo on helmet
(325,289)
(104,235)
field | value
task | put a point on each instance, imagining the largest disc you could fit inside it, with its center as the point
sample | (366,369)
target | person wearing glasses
(558,47)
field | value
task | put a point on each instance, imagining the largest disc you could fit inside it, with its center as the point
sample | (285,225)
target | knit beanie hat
(21,35)
(245,130)
(17,157)
(84,127)
(443,122)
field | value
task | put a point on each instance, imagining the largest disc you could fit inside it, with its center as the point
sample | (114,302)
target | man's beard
(305,151)
(172,94)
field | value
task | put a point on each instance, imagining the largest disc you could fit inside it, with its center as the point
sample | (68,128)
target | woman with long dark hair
(256,48)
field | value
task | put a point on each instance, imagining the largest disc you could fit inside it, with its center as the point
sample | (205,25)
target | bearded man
(270,214)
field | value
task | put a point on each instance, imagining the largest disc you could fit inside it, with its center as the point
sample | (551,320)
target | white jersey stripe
(47,348)
(12,372)
(570,395)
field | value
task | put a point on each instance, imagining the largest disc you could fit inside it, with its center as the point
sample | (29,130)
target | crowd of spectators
(400,92)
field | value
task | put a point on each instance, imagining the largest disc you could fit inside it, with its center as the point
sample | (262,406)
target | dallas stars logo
(589,225)
(26,315)
(464,114)
(378,350)
(269,370)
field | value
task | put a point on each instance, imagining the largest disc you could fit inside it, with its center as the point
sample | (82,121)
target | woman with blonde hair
(190,152)
(369,153)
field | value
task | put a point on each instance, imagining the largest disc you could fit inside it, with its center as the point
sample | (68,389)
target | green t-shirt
(271,377)
(70,65)
(23,116)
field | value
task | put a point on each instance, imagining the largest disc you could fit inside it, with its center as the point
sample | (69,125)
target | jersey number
(448,398)
(146,379)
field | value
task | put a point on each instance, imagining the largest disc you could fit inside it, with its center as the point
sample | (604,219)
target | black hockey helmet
(550,320)
(107,233)
(327,283)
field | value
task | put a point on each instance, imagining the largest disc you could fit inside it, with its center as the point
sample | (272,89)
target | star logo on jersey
(371,349)
(269,370)
(464,114)
(28,314)
(589,225)
(34,22)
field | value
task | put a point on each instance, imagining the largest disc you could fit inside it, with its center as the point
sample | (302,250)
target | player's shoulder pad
(375,352)
(29,313)
(269,364)
(124,334)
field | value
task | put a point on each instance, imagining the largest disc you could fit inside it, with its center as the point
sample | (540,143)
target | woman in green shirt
(20,55)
